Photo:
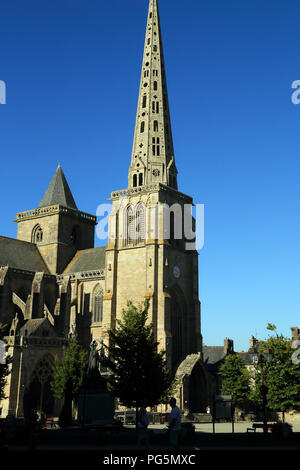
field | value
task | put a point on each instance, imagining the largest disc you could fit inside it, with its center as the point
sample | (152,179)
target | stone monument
(96,403)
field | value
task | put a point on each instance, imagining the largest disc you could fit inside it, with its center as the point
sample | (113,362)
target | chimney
(295,333)
(228,346)
(253,344)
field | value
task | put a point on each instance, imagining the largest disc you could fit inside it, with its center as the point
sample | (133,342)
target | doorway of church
(197,390)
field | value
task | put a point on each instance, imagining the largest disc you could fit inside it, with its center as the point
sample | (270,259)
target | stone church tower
(53,281)
(143,257)
(159,268)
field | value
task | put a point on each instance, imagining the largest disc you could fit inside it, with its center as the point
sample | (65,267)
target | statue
(94,357)
(96,403)
(94,379)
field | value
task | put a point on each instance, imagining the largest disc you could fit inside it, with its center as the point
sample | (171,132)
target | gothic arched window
(140,223)
(98,304)
(134,181)
(129,224)
(135,225)
(140,179)
(37,234)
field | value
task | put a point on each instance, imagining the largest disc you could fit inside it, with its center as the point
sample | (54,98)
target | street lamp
(263,359)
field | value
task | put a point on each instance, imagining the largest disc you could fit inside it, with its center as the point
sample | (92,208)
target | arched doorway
(40,385)
(195,387)
(198,397)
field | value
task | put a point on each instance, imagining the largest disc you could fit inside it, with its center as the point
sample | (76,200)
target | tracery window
(98,305)
(129,226)
(135,225)
(140,224)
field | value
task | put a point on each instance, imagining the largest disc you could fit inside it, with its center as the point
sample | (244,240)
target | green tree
(68,376)
(281,375)
(236,379)
(4,363)
(139,371)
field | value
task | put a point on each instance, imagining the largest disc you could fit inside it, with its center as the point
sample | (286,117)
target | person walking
(143,423)
(174,424)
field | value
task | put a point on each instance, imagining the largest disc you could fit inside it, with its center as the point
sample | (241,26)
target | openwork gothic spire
(153,154)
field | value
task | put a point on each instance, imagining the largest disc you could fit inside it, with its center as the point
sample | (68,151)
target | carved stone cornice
(56,209)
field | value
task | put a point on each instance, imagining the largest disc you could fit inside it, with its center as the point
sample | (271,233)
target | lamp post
(263,360)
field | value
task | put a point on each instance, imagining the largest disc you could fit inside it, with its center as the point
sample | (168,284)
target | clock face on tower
(176,272)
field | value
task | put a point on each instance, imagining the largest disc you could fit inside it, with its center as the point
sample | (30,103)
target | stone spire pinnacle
(58,192)
(153,154)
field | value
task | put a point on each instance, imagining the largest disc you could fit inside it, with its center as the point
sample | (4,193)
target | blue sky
(72,71)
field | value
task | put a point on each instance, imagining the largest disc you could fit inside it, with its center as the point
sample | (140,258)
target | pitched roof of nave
(58,192)
(87,260)
(32,326)
(21,255)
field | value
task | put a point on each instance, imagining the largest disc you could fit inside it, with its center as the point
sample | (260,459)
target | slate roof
(58,192)
(31,326)
(21,255)
(87,260)
(247,357)
(213,354)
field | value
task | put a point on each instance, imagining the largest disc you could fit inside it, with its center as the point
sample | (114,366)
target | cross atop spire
(58,192)
(153,154)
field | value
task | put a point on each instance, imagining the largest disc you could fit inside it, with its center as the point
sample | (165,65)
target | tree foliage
(236,379)
(139,372)
(281,376)
(69,371)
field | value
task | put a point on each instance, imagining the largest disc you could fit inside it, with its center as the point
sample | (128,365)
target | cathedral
(53,281)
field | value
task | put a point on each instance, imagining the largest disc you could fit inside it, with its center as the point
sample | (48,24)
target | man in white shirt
(174,423)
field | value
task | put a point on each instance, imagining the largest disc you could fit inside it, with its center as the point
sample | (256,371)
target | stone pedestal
(96,408)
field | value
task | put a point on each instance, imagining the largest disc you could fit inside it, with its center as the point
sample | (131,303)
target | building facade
(53,281)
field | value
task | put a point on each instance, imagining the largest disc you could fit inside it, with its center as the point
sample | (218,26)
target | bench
(259,426)
(51,423)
